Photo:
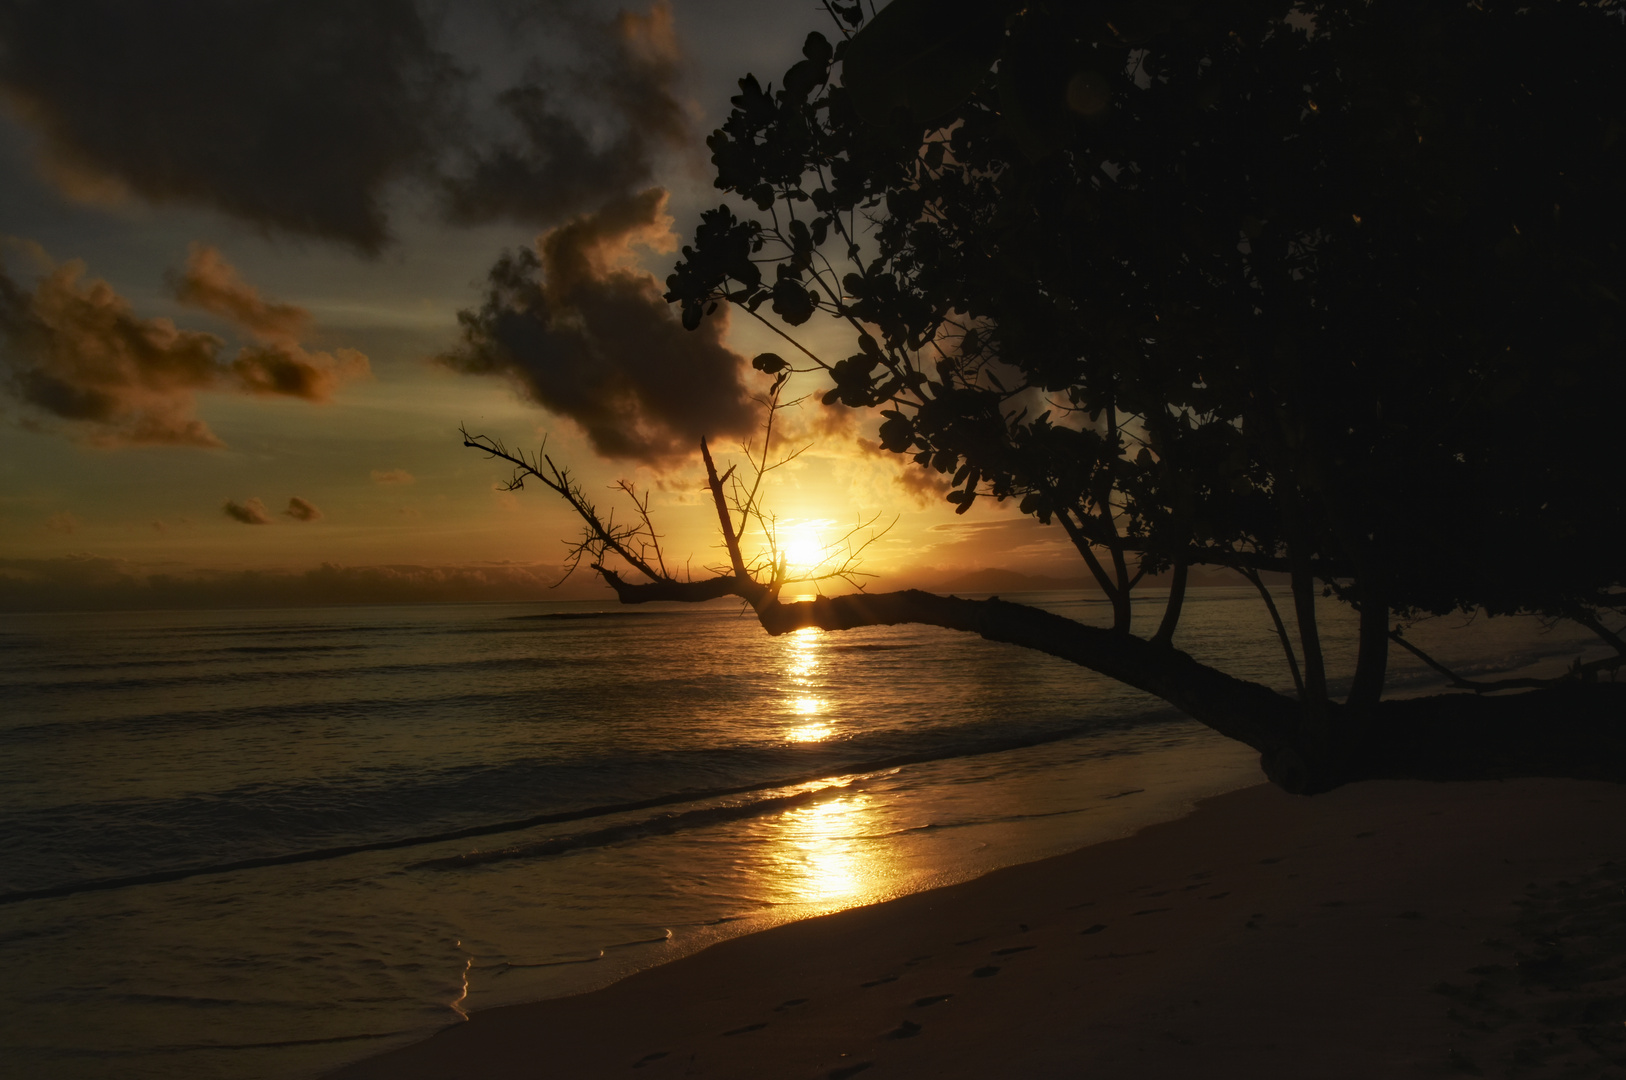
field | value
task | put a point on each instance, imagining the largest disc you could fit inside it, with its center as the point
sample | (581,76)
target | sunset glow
(802,544)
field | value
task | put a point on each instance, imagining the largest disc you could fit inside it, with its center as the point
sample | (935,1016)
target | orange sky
(196,383)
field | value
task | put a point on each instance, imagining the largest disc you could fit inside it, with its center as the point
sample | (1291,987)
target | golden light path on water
(821,853)
(806,706)
(822,857)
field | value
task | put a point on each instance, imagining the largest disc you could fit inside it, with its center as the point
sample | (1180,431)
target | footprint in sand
(849,1070)
(791,1004)
(647,1058)
(743,1030)
(906,1030)
(985,972)
(880,981)
(935,999)
(1013,950)
(1152,910)
(1096,929)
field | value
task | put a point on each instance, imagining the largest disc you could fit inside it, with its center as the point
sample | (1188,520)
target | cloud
(278,364)
(74,349)
(393,476)
(631,65)
(291,114)
(590,338)
(924,486)
(303,116)
(300,510)
(65,522)
(251,512)
(212,284)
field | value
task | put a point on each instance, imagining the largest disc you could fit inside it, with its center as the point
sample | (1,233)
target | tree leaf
(922,56)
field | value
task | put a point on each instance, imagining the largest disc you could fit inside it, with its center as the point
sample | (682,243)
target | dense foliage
(1332,289)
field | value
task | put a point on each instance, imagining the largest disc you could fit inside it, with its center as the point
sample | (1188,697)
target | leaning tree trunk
(1576,730)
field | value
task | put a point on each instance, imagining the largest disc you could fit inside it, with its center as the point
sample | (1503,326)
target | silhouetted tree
(1334,290)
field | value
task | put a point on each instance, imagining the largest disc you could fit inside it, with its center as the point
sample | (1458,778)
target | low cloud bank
(93,583)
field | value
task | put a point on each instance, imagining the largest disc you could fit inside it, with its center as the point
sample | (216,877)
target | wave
(974,748)
(663,825)
(571,615)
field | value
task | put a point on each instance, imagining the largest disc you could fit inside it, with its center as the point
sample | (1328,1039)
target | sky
(235,240)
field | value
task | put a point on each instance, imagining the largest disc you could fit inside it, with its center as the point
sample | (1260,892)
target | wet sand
(1383,930)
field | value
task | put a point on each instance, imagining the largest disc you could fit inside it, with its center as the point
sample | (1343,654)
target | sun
(803,546)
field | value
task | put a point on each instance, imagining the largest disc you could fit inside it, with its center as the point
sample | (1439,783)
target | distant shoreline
(1261,935)
(92,584)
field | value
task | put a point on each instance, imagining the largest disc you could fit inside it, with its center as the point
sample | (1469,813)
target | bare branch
(1577,672)
(724,519)
(601,535)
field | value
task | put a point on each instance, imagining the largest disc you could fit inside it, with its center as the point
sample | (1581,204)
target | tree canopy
(1327,289)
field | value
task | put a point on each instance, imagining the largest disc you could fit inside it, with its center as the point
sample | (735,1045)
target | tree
(1324,289)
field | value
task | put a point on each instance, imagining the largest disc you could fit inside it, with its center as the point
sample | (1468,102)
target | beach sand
(1388,929)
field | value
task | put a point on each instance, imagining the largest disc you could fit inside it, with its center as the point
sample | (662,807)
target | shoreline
(1261,934)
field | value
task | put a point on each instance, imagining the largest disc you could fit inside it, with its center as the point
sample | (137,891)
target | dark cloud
(629,71)
(251,512)
(75,350)
(299,115)
(590,338)
(292,114)
(300,510)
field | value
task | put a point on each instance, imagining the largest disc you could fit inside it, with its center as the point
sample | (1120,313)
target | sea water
(256,844)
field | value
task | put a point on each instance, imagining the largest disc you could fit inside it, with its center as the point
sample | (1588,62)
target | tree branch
(1276,620)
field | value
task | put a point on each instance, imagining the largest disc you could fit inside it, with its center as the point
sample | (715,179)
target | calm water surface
(258,844)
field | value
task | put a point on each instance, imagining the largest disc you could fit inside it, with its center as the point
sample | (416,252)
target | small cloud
(300,510)
(63,522)
(160,528)
(393,476)
(251,512)
(278,365)
(211,283)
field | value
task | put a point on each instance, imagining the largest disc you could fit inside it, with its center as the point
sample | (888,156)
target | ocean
(258,844)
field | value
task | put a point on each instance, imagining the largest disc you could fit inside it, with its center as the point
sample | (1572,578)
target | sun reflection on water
(803,701)
(821,855)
